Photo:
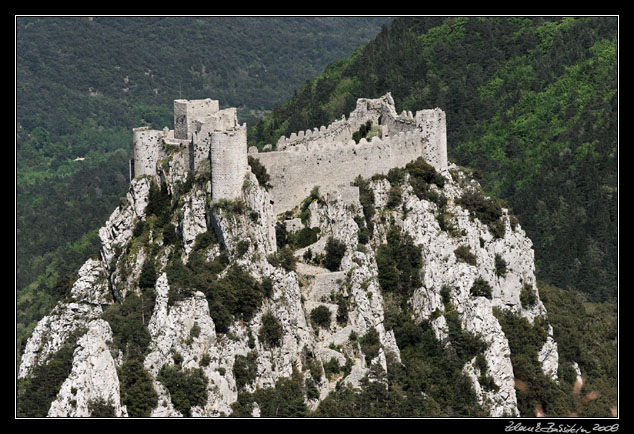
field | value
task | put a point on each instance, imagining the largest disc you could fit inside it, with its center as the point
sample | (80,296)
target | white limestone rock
(93,377)
(443,269)
(118,229)
(91,285)
(194,220)
(53,331)
(548,356)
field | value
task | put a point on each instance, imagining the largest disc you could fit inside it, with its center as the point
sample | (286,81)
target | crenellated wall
(327,157)
(295,171)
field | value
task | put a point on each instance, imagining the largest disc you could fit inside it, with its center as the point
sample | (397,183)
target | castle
(207,138)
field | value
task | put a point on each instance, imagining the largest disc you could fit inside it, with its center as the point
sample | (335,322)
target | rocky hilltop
(200,306)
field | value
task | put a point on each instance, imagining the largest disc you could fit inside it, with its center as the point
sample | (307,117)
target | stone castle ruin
(207,138)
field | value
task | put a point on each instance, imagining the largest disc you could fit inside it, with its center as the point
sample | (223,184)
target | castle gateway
(207,138)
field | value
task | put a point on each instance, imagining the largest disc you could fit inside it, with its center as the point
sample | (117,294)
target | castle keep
(327,157)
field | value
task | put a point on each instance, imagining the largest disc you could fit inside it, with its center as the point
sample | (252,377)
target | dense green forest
(83,83)
(532,109)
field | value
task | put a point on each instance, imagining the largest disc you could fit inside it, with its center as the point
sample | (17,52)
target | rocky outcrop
(93,378)
(183,334)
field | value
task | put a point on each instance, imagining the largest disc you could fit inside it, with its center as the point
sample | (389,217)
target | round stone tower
(228,156)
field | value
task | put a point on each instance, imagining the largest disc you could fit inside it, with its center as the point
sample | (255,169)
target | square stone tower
(433,124)
(188,113)
(215,135)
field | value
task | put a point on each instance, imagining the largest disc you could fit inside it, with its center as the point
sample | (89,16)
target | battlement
(327,156)
(379,111)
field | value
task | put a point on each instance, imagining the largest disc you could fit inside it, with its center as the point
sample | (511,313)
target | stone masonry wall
(187,112)
(147,150)
(296,171)
(228,162)
(433,124)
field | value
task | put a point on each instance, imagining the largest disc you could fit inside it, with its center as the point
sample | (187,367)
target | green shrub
(488,383)
(465,345)
(205,360)
(245,369)
(363,235)
(320,316)
(242,247)
(281,235)
(170,237)
(332,367)
(304,237)
(260,173)
(481,363)
(230,207)
(308,255)
(396,176)
(284,400)
(129,319)
(525,341)
(241,293)
(394,197)
(335,250)
(267,286)
(194,332)
(481,288)
(271,331)
(497,228)
(370,345)
(312,392)
(137,390)
(463,253)
(236,294)
(421,176)
(342,309)
(148,274)
(408,334)
(445,294)
(187,388)
(487,210)
(221,316)
(205,239)
(527,296)
(159,201)
(362,132)
(500,265)
(101,408)
(36,393)
(284,258)
(399,263)
(139,227)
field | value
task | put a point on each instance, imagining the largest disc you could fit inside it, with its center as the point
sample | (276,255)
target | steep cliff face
(206,295)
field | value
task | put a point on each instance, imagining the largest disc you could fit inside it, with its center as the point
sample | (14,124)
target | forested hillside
(83,83)
(532,109)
